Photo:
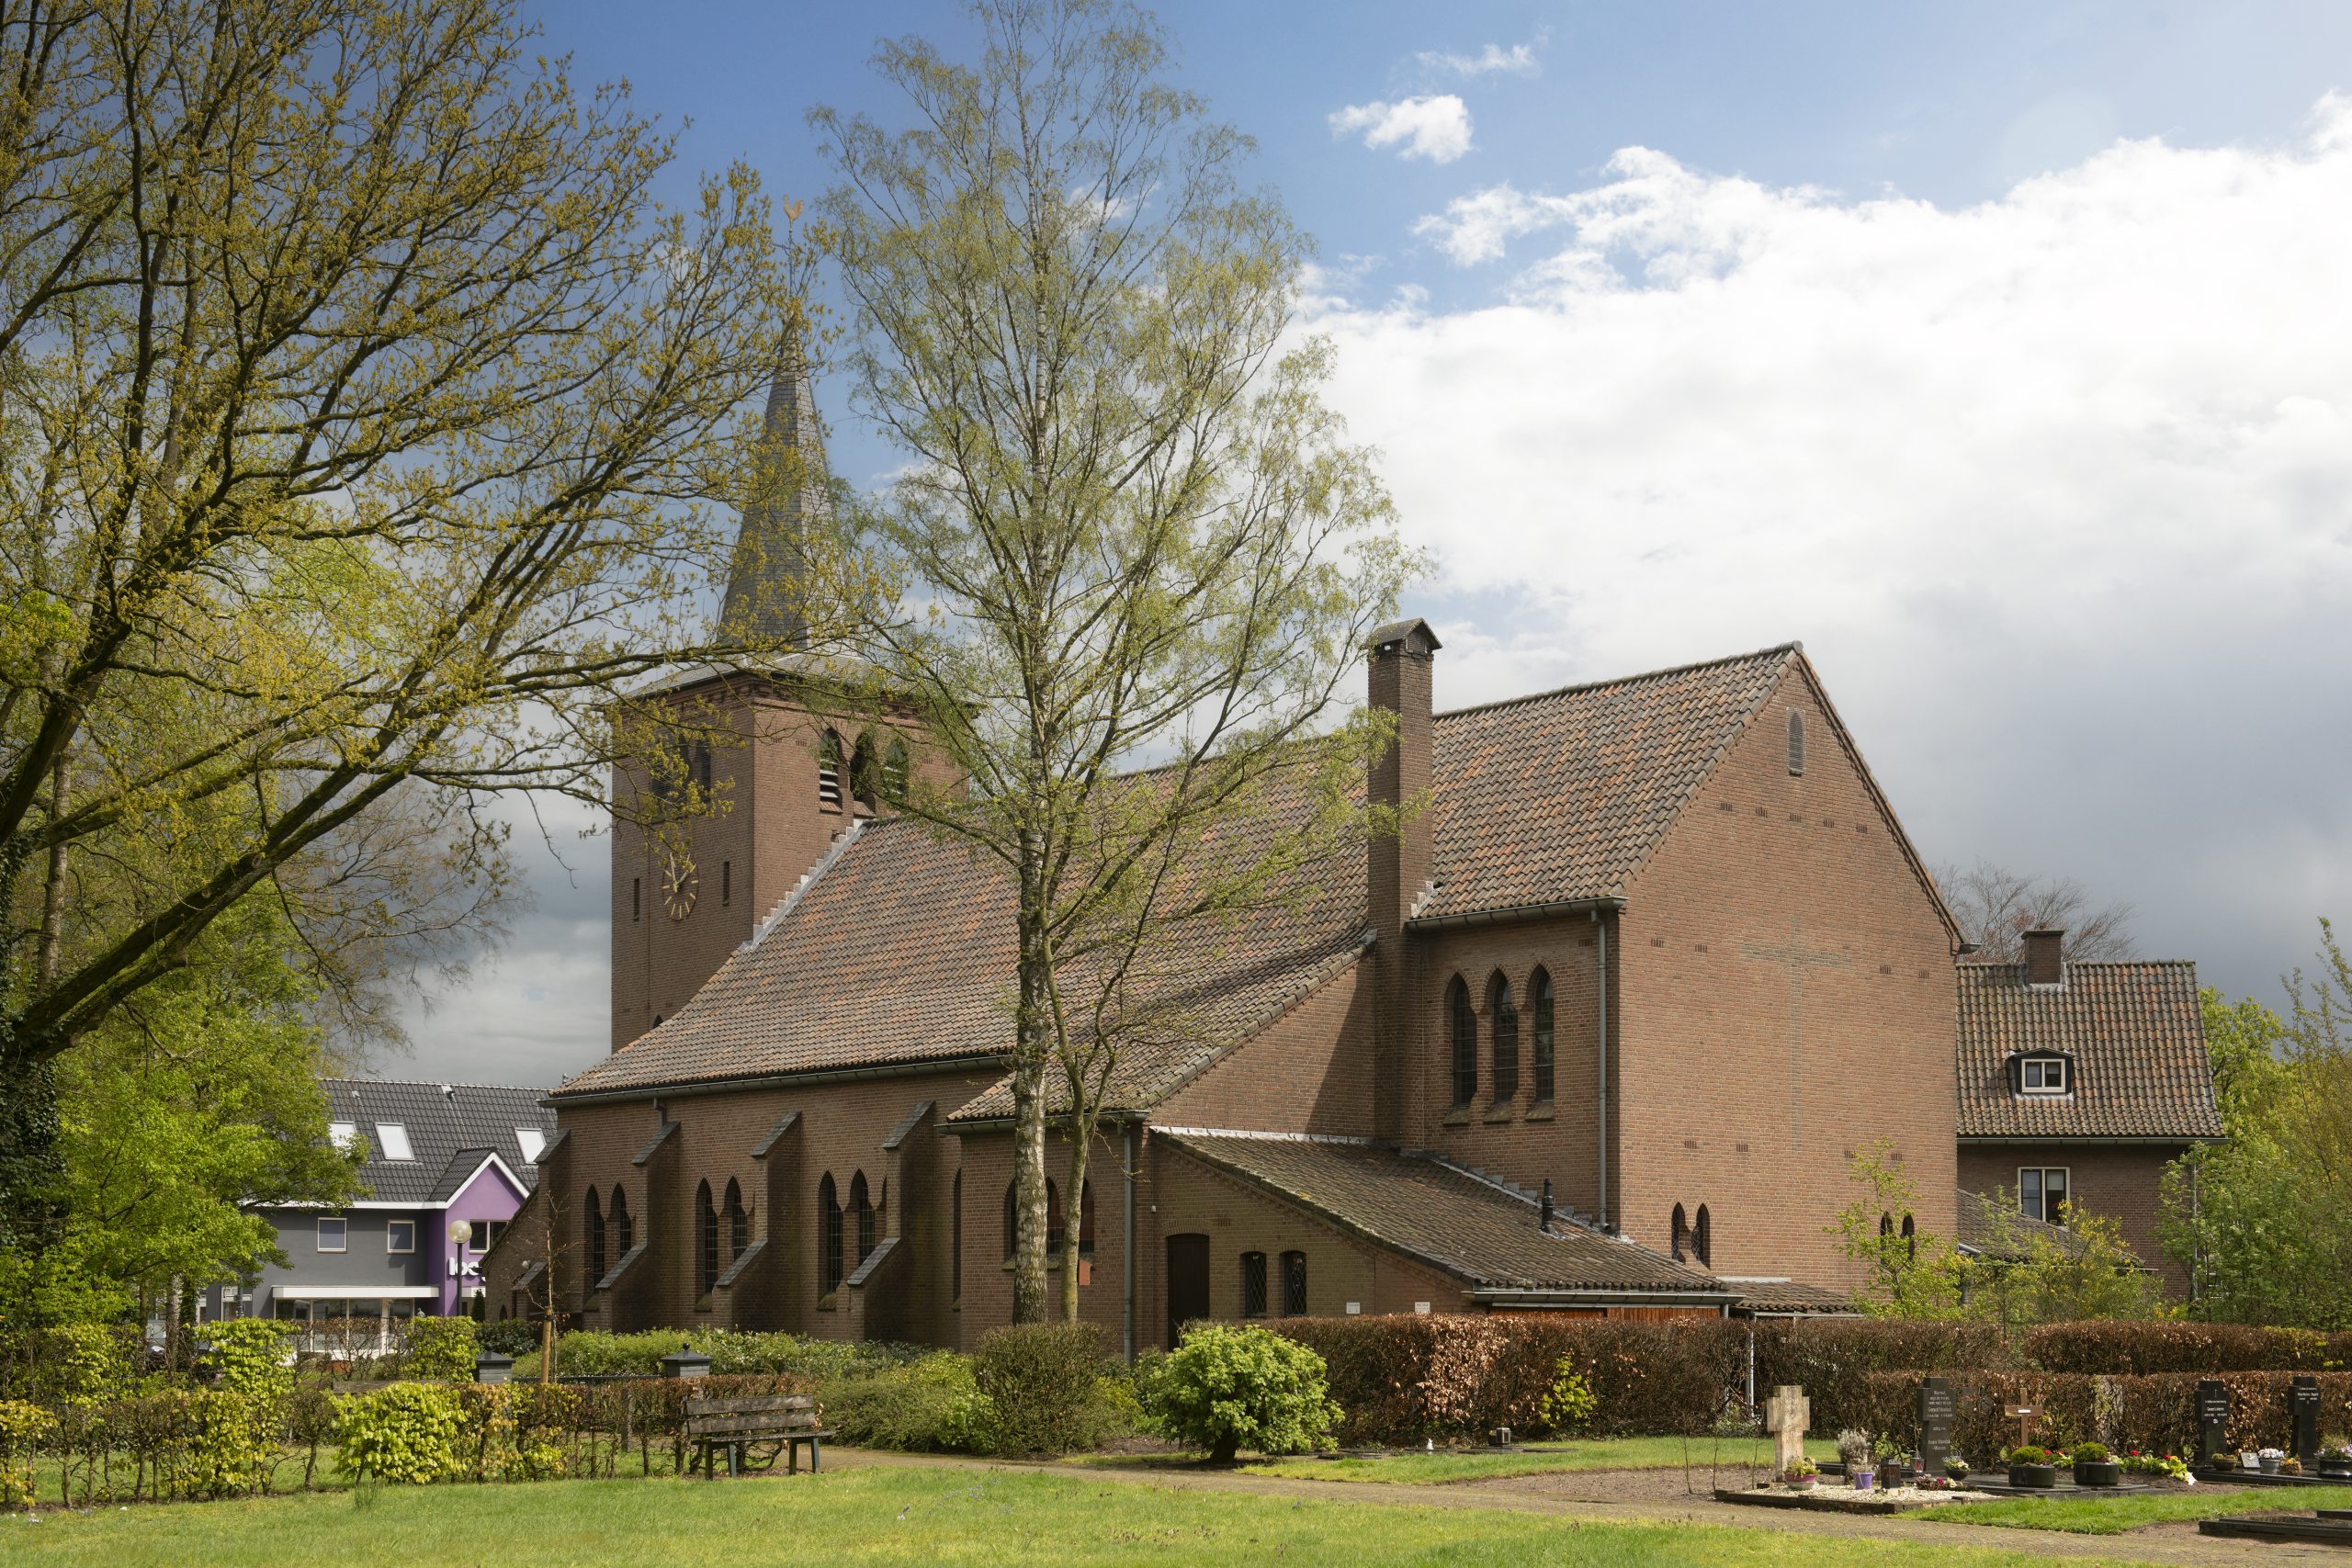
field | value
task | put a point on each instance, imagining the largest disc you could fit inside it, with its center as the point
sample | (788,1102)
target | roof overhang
(2048,1140)
(907,1070)
(1606,905)
(1538,1297)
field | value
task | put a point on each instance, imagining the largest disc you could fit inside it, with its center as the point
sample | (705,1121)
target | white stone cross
(1787,1415)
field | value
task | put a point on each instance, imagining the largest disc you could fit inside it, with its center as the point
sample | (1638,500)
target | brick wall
(2123,1181)
(1785,995)
(1309,1071)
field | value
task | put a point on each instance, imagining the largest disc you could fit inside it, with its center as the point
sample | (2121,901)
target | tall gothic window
(624,1233)
(1086,1218)
(1703,1238)
(1504,1012)
(707,1238)
(1796,741)
(595,1239)
(1539,989)
(862,1206)
(1465,1021)
(1011,1217)
(1053,1220)
(1293,1284)
(894,770)
(829,769)
(739,1222)
(829,1236)
(865,770)
(956,1239)
(1253,1285)
(1681,1232)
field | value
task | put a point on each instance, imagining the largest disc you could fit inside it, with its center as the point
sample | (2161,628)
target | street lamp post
(460,1233)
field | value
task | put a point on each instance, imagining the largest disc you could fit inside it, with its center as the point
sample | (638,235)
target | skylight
(394,1137)
(532,1141)
(345,1134)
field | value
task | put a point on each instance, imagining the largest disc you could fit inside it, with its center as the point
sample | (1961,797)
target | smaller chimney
(1398,864)
(1543,1217)
(2044,965)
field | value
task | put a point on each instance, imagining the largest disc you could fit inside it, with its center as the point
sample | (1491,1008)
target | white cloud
(1519,59)
(2057,489)
(1436,127)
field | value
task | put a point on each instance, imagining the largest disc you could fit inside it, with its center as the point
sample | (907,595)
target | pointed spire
(763,585)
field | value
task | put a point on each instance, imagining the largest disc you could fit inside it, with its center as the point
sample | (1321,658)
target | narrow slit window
(1502,1010)
(1293,1284)
(1539,991)
(1253,1285)
(1465,1021)
(1796,743)
(828,770)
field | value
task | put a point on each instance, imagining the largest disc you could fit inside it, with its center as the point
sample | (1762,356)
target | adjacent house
(438,1155)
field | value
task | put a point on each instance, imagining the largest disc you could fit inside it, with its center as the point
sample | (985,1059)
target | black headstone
(2302,1410)
(2212,1419)
(1937,1407)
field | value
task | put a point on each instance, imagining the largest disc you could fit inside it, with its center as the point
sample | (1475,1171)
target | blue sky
(1999,352)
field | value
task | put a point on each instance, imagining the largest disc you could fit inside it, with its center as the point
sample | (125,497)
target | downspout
(1600,1108)
(1127,1309)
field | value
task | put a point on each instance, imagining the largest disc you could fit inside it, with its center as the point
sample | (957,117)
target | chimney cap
(1399,631)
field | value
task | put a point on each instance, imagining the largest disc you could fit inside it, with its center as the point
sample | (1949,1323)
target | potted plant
(2290,1465)
(2095,1466)
(1956,1468)
(1801,1476)
(2336,1458)
(2158,1467)
(1893,1465)
(2030,1465)
(2269,1460)
(1854,1451)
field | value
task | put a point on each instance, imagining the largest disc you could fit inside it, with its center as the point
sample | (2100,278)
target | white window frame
(393,1137)
(479,1239)
(345,1136)
(2026,1066)
(342,1232)
(392,1225)
(2065,1174)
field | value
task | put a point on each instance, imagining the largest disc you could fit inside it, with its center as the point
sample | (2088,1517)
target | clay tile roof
(900,952)
(1790,1297)
(1989,1230)
(2133,1029)
(1562,795)
(1441,1215)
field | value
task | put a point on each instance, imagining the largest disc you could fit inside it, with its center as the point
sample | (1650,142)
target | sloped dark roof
(1990,1230)
(897,949)
(2134,1029)
(445,1130)
(1560,795)
(1791,1298)
(1442,1217)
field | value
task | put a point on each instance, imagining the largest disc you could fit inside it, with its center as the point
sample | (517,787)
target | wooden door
(1188,1282)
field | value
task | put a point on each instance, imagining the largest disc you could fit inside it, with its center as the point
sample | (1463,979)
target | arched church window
(739,1222)
(1465,1022)
(1539,990)
(894,770)
(707,1241)
(829,769)
(624,1233)
(595,1239)
(1680,1231)
(1703,1238)
(862,1206)
(1503,1013)
(829,1236)
(1796,742)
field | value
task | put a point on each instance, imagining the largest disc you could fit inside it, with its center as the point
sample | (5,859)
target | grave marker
(2303,1410)
(2023,1415)
(1787,1415)
(1938,1407)
(2212,1419)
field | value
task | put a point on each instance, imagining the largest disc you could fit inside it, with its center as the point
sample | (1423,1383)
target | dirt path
(1657,1496)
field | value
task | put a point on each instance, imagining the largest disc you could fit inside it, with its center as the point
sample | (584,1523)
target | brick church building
(1659,945)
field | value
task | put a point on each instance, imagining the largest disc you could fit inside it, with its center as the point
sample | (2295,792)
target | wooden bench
(783,1421)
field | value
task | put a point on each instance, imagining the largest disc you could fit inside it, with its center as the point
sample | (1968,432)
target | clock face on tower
(679,885)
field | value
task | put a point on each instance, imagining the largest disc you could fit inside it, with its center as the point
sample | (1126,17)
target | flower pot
(1862,1479)
(2033,1475)
(2269,1464)
(2094,1472)
(1802,1483)
(1957,1473)
(2338,1469)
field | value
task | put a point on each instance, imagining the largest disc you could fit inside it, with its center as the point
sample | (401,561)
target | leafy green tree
(2028,1273)
(1128,530)
(2263,1219)
(362,420)
(1915,1276)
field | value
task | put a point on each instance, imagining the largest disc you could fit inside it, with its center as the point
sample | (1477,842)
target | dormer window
(394,1138)
(2045,1075)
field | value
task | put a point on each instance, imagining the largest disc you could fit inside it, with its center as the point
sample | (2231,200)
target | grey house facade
(438,1157)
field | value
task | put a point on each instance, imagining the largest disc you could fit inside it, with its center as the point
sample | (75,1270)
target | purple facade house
(447,1166)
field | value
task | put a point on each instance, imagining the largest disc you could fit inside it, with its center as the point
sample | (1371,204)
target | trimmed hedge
(2173,1346)
(2153,1412)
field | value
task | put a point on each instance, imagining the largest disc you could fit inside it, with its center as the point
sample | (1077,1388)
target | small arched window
(1502,1012)
(894,770)
(1703,1238)
(829,1236)
(707,1238)
(1253,1285)
(956,1239)
(862,1206)
(1796,742)
(1886,1227)
(595,1239)
(829,769)
(1293,1284)
(739,1222)
(1680,1231)
(1465,1027)
(865,772)
(1910,1236)
(624,1233)
(1539,991)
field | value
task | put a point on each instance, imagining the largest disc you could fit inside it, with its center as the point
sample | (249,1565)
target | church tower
(781,780)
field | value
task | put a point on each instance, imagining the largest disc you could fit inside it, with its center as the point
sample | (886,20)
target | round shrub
(1040,1383)
(441,1348)
(407,1432)
(1227,1388)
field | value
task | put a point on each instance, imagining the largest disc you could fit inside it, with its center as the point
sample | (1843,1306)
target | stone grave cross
(1787,1415)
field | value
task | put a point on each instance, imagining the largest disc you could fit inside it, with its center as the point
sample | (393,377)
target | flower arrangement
(1854,1449)
(2090,1453)
(2290,1465)
(2030,1453)
(1801,1474)
(2172,1467)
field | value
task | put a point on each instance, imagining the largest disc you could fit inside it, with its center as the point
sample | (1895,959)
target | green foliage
(1040,1383)
(2028,1453)
(23,1427)
(1229,1387)
(592,1353)
(83,1363)
(230,1446)
(1569,1403)
(931,1404)
(2028,1275)
(441,1348)
(2090,1453)
(406,1433)
(508,1336)
(1916,1276)
(2264,1216)
(249,1355)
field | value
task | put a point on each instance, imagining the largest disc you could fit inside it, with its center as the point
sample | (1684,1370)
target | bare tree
(1996,907)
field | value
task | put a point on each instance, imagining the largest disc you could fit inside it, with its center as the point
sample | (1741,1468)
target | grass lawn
(988,1519)
(2115,1516)
(1410,1469)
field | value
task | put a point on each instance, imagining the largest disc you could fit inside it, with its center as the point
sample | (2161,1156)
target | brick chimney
(1399,863)
(2044,963)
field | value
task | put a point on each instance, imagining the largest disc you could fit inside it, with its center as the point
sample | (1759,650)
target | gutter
(2169,1141)
(1600,1051)
(1609,904)
(1127,1304)
(1528,1295)
(774,1080)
